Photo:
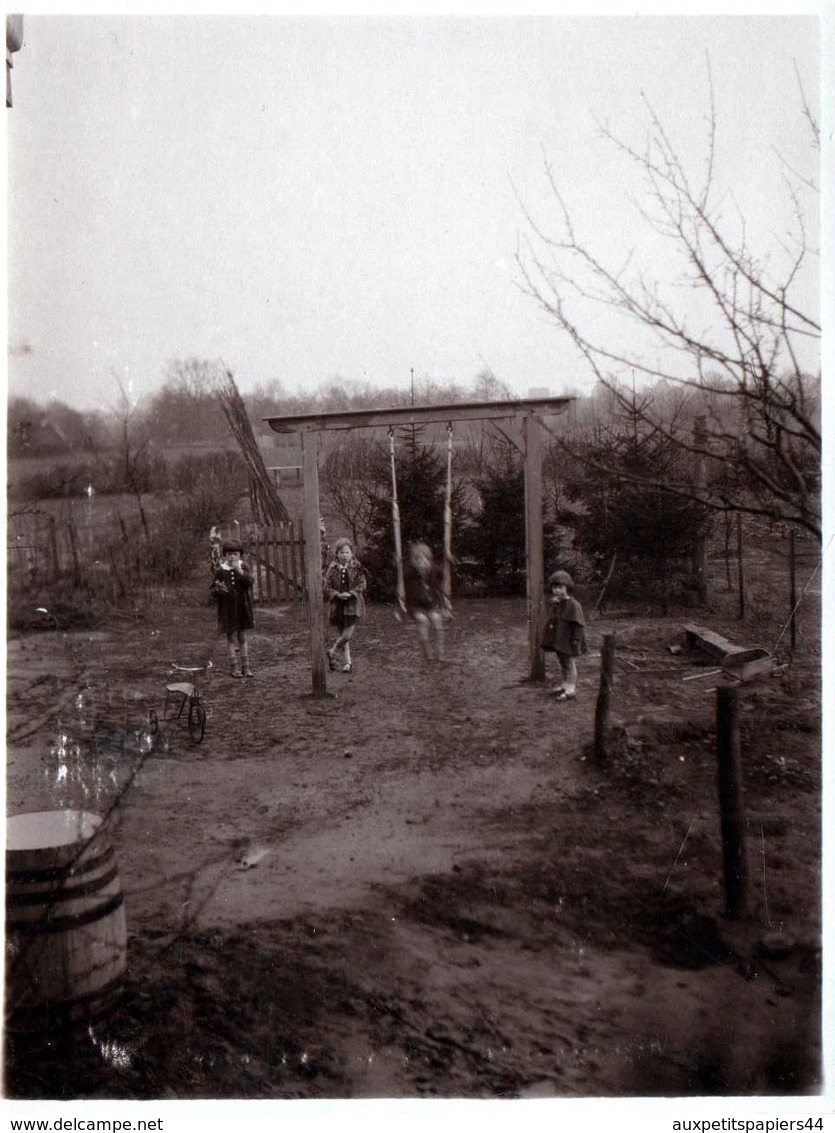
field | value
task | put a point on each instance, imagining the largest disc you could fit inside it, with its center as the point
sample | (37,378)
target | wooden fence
(276,556)
(43,550)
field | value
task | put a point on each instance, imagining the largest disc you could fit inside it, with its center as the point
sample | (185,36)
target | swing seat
(183,689)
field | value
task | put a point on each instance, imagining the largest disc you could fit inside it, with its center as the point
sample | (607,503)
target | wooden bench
(738,661)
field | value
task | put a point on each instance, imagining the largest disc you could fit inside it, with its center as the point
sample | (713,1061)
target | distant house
(14,42)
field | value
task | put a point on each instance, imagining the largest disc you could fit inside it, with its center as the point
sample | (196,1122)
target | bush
(492,550)
(652,531)
(180,532)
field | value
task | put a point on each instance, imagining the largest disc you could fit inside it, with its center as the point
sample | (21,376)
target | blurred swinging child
(426,603)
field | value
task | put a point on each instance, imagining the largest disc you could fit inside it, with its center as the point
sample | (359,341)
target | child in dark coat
(564,632)
(232,590)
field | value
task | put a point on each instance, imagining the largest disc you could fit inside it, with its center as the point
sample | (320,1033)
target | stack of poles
(266,503)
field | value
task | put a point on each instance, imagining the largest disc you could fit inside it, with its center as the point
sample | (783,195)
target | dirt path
(421,885)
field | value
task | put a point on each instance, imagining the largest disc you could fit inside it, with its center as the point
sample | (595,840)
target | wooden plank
(289,554)
(290,551)
(709,642)
(267,548)
(275,560)
(278,560)
(747,663)
(417,415)
(300,555)
(251,544)
(257,588)
(296,548)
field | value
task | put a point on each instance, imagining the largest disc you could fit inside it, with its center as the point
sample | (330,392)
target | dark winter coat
(341,579)
(233,594)
(564,631)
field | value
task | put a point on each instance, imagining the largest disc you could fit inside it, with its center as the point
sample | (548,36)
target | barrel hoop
(63,1013)
(50,897)
(57,873)
(48,924)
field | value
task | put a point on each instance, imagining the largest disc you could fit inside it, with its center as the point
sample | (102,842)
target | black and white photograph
(415,677)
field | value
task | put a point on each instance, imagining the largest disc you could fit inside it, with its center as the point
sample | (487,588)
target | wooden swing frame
(529,411)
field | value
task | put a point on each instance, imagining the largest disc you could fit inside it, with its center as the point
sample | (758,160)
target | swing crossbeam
(418,415)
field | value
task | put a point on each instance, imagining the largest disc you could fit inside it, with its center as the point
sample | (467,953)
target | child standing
(564,632)
(425,599)
(344,588)
(232,590)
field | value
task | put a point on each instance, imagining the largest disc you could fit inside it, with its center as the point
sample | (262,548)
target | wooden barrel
(65,921)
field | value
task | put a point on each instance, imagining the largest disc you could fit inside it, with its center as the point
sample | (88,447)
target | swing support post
(313,562)
(395,523)
(447,583)
(532,437)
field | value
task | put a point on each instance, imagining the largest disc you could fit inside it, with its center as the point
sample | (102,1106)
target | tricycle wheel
(196,721)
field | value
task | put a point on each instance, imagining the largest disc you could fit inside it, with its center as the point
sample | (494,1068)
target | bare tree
(133,436)
(744,362)
(185,409)
(348,481)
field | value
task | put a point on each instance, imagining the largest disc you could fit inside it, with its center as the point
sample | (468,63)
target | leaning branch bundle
(267,506)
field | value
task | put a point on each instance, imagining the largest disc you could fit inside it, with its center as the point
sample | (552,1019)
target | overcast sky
(312,198)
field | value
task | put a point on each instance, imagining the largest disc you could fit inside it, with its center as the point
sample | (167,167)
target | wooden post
(699,564)
(793,591)
(601,712)
(599,603)
(53,548)
(313,563)
(532,438)
(76,569)
(740,566)
(731,805)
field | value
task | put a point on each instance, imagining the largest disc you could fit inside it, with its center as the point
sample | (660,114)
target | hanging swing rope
(395,522)
(447,581)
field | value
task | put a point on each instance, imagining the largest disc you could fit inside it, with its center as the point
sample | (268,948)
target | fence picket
(294,572)
(286,557)
(269,555)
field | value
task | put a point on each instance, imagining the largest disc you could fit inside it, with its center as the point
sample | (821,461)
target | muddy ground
(424,885)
